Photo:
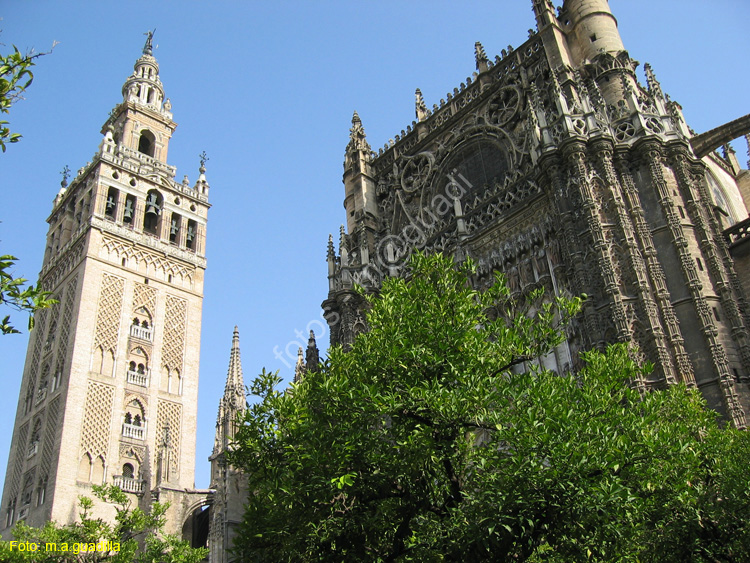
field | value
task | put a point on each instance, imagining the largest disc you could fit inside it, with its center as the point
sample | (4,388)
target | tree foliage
(15,77)
(134,537)
(15,294)
(438,437)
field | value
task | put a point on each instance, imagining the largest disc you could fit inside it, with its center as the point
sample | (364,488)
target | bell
(152,204)
(127,215)
(174,229)
(190,236)
(111,204)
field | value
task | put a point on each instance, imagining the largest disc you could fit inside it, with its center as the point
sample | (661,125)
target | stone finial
(480,57)
(747,140)
(420,106)
(331,251)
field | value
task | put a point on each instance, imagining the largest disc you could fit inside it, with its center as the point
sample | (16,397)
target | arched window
(127,471)
(147,143)
(36,435)
(473,168)
(41,491)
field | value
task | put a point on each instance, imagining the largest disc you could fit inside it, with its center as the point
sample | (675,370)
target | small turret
(544,12)
(591,29)
(359,199)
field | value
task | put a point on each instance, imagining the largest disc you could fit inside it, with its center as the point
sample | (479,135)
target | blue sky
(267,89)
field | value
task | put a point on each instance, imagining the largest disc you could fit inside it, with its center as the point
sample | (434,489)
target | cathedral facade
(556,166)
(553,164)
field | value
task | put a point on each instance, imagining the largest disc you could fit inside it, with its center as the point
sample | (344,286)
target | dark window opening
(682,212)
(700,264)
(716,314)
(127,471)
(593,37)
(147,143)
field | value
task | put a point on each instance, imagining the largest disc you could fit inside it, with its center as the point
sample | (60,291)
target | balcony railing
(33,448)
(141,332)
(138,378)
(133,431)
(130,484)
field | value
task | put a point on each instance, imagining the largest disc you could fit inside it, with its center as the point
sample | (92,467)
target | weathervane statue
(148,47)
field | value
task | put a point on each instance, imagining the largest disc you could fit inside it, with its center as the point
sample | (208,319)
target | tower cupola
(144,86)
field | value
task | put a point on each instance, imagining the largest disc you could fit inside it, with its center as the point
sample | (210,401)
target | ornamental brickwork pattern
(109,313)
(97,417)
(174,334)
(168,424)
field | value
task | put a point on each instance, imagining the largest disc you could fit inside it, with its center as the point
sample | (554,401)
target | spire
(234,390)
(481,57)
(653,84)
(233,401)
(421,107)
(312,355)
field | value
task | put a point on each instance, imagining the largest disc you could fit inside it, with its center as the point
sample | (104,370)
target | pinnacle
(355,118)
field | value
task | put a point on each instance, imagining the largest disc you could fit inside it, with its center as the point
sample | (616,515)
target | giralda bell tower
(110,386)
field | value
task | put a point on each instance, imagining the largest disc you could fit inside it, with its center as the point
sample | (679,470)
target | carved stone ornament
(504,106)
(416,171)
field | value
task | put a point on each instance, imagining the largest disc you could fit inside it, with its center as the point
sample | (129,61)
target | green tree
(15,77)
(15,294)
(134,537)
(439,437)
